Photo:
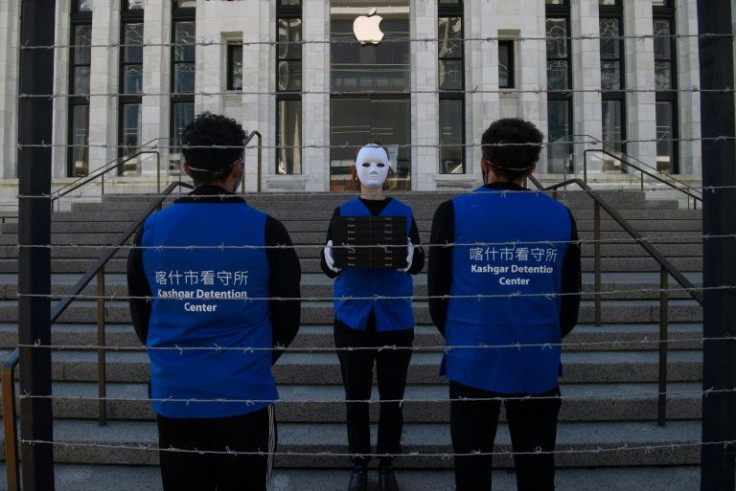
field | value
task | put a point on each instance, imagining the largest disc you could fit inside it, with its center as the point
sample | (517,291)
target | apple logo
(367,29)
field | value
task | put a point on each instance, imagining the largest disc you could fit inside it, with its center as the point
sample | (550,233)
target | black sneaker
(358,479)
(387,479)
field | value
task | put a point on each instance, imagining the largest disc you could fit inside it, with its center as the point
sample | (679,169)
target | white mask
(372,166)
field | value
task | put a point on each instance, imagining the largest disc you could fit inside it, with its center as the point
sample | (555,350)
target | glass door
(360,120)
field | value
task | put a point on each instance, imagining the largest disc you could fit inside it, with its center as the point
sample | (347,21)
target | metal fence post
(38,25)
(719,262)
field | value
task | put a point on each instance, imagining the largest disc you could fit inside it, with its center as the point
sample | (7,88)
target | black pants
(357,378)
(194,471)
(532,424)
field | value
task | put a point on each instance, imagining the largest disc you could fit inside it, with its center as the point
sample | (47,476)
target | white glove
(329,260)
(409,256)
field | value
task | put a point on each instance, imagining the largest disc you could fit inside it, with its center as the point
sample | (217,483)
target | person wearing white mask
(369,324)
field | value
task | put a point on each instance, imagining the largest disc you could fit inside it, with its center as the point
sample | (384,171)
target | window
(133,4)
(183,50)
(288,88)
(612,77)
(451,84)
(506,66)
(234,66)
(79,78)
(559,85)
(665,69)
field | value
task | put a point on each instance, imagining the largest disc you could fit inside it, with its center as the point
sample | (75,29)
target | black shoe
(387,479)
(358,479)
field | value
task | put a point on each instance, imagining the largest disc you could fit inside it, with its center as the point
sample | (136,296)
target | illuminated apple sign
(367,28)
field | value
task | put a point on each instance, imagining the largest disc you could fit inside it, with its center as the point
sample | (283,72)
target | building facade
(605,80)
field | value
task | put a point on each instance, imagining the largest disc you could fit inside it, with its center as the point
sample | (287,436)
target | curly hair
(212,143)
(511,146)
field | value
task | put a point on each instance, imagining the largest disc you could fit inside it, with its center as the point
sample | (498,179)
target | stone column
(316,98)
(103,84)
(60,116)
(688,77)
(586,79)
(641,109)
(425,100)
(9,58)
(155,102)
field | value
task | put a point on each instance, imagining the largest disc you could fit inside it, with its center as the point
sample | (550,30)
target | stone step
(124,478)
(422,403)
(309,368)
(424,445)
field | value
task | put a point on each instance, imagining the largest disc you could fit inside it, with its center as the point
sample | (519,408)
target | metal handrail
(627,161)
(679,186)
(255,133)
(667,269)
(7,373)
(115,164)
(7,379)
(110,166)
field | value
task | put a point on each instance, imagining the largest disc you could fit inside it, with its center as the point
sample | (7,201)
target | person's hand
(409,256)
(329,260)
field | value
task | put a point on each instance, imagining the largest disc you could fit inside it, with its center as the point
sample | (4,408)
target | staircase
(608,415)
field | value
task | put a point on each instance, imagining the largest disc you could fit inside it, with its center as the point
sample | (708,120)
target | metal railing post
(242,180)
(158,172)
(663,341)
(597,261)
(260,155)
(10,424)
(101,358)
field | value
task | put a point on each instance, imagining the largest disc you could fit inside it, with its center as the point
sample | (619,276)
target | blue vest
(392,313)
(208,298)
(510,254)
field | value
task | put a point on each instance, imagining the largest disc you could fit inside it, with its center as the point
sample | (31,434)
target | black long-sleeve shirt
(284,280)
(439,272)
(376,207)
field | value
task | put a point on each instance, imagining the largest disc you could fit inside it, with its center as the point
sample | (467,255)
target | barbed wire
(652,395)
(598,448)
(276,198)
(187,295)
(291,195)
(567,345)
(447,456)
(205,42)
(696,234)
(476,90)
(720,138)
